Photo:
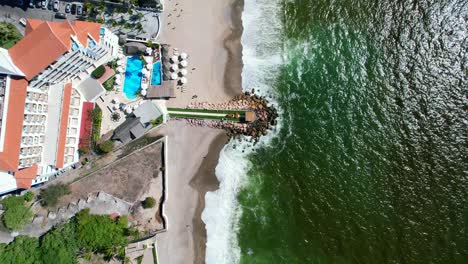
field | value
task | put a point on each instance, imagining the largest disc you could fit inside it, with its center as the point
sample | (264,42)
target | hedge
(99,72)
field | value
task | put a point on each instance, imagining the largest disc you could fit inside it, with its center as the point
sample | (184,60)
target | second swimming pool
(133,75)
(156,75)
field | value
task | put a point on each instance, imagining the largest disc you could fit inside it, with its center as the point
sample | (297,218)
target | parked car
(60,15)
(20,2)
(31,3)
(79,10)
(67,8)
(38,3)
(22,21)
(56,5)
(50,5)
(44,4)
(73,9)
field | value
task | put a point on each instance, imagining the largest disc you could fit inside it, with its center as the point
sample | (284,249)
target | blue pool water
(132,77)
(156,75)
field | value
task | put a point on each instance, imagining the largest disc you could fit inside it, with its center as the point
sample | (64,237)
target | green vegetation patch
(99,72)
(17,214)
(206,111)
(158,121)
(96,116)
(9,35)
(83,236)
(106,146)
(204,117)
(51,195)
(149,202)
(109,84)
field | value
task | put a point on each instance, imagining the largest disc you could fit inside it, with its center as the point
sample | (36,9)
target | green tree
(100,232)
(29,196)
(16,214)
(9,35)
(23,250)
(106,146)
(51,195)
(140,15)
(149,202)
(130,11)
(60,245)
(127,25)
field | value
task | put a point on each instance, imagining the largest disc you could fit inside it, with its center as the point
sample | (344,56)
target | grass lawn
(109,84)
(207,111)
(9,35)
(204,117)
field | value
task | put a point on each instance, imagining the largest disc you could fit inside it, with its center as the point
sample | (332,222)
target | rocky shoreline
(265,116)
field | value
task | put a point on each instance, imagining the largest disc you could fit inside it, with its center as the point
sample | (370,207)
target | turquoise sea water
(369,165)
(133,75)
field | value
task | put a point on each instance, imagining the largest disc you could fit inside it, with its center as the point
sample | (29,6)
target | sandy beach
(210,33)
(210,36)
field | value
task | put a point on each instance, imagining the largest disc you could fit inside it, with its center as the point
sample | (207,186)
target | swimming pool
(132,83)
(156,75)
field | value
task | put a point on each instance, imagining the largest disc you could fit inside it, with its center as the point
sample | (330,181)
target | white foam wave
(261,43)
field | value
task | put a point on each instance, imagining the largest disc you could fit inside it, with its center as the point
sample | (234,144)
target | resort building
(40,103)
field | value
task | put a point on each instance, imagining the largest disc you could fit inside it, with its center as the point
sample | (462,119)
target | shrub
(29,196)
(51,195)
(100,232)
(16,214)
(99,72)
(157,121)
(106,146)
(149,202)
(23,249)
(109,84)
(83,151)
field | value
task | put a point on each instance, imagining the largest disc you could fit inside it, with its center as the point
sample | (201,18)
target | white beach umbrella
(118,76)
(174,59)
(183,55)
(183,80)
(120,69)
(128,110)
(174,67)
(149,50)
(144,86)
(173,76)
(116,100)
(149,59)
(183,72)
(149,66)
(119,62)
(115,107)
(145,72)
(135,106)
(118,81)
(184,63)
(143,92)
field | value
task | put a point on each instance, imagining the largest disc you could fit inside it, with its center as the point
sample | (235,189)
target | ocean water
(368,163)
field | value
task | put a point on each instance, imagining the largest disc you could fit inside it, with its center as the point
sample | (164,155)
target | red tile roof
(9,157)
(63,125)
(37,50)
(46,41)
(82,29)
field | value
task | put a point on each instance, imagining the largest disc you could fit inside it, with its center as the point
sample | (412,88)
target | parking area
(12,10)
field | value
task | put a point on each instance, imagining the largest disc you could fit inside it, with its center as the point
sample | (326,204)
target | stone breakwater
(265,116)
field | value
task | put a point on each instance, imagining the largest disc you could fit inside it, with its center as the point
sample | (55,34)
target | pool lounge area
(133,76)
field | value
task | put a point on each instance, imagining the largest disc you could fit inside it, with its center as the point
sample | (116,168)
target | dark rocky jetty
(264,117)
